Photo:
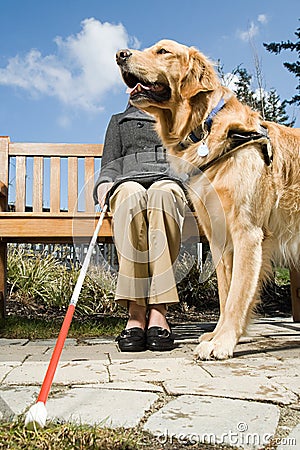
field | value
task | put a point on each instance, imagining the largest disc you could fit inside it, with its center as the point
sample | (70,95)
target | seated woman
(148,204)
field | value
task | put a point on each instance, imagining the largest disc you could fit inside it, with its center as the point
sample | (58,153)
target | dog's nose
(123,55)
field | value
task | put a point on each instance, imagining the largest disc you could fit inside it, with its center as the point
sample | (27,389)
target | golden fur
(249,210)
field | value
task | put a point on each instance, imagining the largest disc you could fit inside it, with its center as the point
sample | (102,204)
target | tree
(277,47)
(275,109)
(243,89)
(268,104)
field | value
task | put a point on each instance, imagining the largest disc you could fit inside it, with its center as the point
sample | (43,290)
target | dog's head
(165,74)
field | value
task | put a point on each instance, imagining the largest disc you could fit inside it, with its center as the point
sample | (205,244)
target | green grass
(14,327)
(14,436)
(282,276)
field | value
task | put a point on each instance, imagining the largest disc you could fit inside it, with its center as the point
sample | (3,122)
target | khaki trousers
(147,226)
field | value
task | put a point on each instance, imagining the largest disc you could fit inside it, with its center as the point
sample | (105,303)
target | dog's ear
(200,75)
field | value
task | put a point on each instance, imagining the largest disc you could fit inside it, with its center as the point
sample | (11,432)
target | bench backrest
(63,166)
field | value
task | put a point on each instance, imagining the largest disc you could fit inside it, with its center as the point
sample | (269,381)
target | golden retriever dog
(241,169)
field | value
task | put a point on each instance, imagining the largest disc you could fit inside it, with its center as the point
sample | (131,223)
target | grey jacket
(133,151)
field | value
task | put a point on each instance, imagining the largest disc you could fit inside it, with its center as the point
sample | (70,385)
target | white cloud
(253,28)
(249,33)
(230,80)
(262,18)
(81,71)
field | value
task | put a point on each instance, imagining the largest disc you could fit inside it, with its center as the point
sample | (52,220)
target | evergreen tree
(277,47)
(243,89)
(268,104)
(274,109)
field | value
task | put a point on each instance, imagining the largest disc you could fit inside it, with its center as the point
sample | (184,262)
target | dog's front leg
(247,261)
(224,272)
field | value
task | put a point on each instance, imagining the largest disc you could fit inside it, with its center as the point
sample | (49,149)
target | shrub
(41,278)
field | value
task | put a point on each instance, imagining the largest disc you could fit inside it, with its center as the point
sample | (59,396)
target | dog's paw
(206,337)
(213,349)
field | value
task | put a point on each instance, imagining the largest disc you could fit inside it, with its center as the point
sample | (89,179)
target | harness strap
(239,139)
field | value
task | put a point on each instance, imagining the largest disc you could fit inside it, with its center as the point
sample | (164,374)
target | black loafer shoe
(159,339)
(132,340)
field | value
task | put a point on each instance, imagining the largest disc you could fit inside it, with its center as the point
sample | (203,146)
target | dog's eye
(162,51)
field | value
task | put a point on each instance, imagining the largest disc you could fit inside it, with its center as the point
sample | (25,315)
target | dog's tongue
(137,88)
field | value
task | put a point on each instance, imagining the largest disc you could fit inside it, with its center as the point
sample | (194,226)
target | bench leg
(3,277)
(295,293)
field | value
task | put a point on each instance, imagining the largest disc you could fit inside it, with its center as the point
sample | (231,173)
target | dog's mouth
(141,89)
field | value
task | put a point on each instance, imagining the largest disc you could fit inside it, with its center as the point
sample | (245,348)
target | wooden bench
(70,216)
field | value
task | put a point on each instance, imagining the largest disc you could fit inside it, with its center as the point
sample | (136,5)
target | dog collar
(201,132)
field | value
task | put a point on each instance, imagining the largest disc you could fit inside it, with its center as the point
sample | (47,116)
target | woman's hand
(102,191)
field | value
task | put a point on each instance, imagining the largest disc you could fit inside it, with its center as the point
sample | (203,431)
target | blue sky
(58,77)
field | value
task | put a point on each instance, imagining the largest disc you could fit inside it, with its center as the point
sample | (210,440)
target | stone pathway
(246,402)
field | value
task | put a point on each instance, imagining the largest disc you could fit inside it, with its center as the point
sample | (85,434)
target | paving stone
(179,351)
(272,329)
(98,341)
(9,342)
(9,354)
(99,406)
(194,419)
(155,370)
(27,352)
(50,343)
(293,383)
(127,386)
(83,372)
(76,353)
(246,388)
(270,347)
(5,368)
(249,347)
(14,401)
(212,395)
(287,351)
(252,366)
(292,441)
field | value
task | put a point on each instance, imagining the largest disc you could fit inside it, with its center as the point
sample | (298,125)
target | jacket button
(140,124)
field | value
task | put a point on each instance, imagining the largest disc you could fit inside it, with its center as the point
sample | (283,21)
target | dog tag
(202,150)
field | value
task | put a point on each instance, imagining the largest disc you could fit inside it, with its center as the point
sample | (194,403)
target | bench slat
(20,183)
(46,149)
(55,184)
(25,227)
(89,174)
(72,183)
(37,188)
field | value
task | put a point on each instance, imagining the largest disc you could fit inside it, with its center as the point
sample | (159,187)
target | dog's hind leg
(246,270)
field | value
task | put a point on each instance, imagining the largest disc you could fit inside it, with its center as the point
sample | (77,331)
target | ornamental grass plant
(41,278)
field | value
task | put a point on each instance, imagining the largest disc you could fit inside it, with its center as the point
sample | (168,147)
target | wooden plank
(89,176)
(72,184)
(47,214)
(4,146)
(38,177)
(55,184)
(53,227)
(46,149)
(20,183)
(295,294)
(3,278)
